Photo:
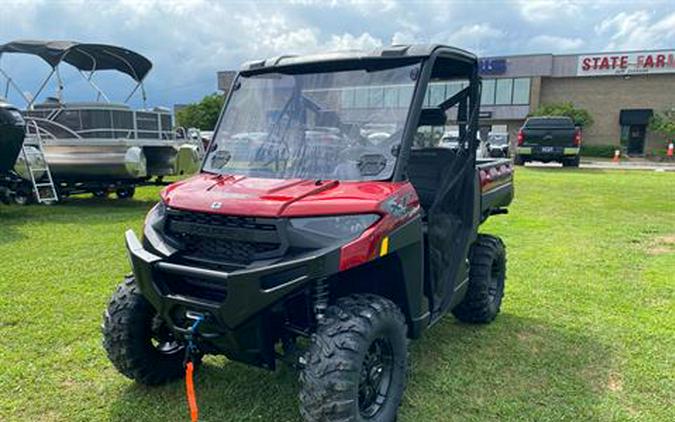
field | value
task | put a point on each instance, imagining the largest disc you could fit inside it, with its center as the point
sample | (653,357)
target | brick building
(621,91)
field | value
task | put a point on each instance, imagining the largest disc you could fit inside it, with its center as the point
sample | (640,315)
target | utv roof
(411,52)
(83,56)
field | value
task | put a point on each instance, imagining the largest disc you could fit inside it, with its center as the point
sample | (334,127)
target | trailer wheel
(125,193)
(23,197)
(137,341)
(487,275)
(101,193)
(355,368)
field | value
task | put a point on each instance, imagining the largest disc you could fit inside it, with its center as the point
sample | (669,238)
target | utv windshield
(343,125)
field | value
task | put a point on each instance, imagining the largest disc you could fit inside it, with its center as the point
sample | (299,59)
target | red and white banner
(626,63)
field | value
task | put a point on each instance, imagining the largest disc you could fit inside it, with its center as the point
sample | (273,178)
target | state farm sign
(626,64)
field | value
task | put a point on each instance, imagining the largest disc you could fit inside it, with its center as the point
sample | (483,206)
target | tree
(580,116)
(664,123)
(202,115)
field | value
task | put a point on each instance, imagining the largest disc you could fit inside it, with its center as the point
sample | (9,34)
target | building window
(405,95)
(521,91)
(506,91)
(453,88)
(503,91)
(390,97)
(348,98)
(488,93)
(435,95)
(375,97)
(361,98)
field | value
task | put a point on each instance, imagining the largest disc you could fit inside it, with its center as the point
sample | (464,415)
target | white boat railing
(138,124)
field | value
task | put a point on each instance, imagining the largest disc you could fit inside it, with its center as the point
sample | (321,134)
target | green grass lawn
(587,329)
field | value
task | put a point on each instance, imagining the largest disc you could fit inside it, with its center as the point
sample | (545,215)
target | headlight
(156,215)
(342,227)
(153,237)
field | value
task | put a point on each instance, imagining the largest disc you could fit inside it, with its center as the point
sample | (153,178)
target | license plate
(547,149)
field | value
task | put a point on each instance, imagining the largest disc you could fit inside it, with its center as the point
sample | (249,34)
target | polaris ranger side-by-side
(324,213)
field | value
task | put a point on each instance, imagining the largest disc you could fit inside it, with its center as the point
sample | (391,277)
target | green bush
(580,116)
(664,123)
(656,153)
(605,151)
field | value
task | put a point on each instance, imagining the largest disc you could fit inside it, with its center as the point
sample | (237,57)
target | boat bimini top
(84,57)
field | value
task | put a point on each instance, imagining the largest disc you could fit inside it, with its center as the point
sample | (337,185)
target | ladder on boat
(41,175)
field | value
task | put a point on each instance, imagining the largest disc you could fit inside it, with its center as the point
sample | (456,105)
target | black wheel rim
(162,339)
(375,379)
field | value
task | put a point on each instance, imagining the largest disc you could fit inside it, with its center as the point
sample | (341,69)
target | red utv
(325,210)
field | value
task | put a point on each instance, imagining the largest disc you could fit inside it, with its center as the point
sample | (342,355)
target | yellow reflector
(384,247)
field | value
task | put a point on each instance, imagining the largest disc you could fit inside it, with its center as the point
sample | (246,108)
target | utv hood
(257,197)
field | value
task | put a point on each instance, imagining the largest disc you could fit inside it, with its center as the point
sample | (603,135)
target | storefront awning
(635,116)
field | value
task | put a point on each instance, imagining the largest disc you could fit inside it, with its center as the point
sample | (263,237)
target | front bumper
(232,303)
(244,292)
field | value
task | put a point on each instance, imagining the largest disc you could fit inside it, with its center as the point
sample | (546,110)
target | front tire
(355,368)
(487,275)
(137,341)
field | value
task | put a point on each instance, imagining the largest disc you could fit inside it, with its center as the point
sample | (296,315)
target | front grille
(223,238)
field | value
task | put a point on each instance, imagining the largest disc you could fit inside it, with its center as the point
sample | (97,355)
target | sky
(189,41)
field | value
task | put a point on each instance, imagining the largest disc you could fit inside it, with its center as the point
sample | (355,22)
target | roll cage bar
(85,58)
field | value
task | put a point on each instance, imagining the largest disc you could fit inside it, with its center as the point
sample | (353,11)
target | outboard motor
(12,133)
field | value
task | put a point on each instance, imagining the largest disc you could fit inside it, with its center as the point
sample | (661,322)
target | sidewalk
(627,164)
(608,164)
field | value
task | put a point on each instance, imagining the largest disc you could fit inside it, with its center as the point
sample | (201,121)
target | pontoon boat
(100,146)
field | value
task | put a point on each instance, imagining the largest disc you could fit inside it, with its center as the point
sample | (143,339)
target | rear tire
(518,160)
(137,341)
(571,162)
(355,368)
(487,275)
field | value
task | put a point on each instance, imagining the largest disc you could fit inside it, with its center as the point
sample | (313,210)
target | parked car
(319,247)
(549,138)
(498,144)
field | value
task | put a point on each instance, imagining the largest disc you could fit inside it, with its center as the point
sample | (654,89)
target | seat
(426,170)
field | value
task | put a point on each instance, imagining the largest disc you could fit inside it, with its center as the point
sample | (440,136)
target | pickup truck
(549,138)
(306,239)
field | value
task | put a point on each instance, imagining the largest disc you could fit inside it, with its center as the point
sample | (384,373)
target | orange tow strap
(190,391)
